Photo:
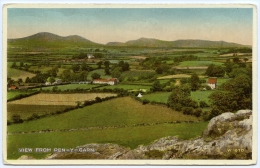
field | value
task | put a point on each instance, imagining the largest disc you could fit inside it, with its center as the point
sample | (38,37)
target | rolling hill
(45,41)
(149,42)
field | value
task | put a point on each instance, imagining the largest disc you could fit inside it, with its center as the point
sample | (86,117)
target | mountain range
(49,40)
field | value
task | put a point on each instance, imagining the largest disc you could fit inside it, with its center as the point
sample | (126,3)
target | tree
(106,63)
(95,76)
(233,95)
(99,64)
(236,60)
(84,66)
(245,59)
(21,64)
(14,65)
(20,80)
(194,82)
(10,82)
(51,79)
(156,86)
(75,67)
(66,75)
(215,71)
(27,80)
(116,73)
(17,118)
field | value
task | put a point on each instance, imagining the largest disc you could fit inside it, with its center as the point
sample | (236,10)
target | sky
(104,25)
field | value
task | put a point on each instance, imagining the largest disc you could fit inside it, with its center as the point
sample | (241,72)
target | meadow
(127,87)
(71,87)
(15,74)
(160,97)
(27,110)
(16,93)
(198,63)
(201,95)
(118,111)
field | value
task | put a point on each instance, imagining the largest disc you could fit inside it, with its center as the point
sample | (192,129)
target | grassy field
(119,111)
(200,95)
(26,111)
(100,72)
(71,87)
(157,97)
(12,94)
(135,74)
(15,74)
(60,99)
(127,87)
(198,63)
(128,137)
(178,76)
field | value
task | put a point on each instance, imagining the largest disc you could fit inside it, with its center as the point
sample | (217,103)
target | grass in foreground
(118,111)
(128,137)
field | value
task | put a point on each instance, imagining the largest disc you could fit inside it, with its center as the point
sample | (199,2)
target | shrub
(145,101)
(178,107)
(203,104)
(205,115)
(197,112)
(17,118)
(187,110)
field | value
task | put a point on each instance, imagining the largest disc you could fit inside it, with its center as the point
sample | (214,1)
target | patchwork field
(71,87)
(123,121)
(119,111)
(178,76)
(127,87)
(59,99)
(198,63)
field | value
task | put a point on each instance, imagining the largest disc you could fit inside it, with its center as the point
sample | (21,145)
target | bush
(197,112)
(205,115)
(145,101)
(187,110)
(178,107)
(203,104)
(17,118)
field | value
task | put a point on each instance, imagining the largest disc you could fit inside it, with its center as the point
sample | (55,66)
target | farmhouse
(212,82)
(111,81)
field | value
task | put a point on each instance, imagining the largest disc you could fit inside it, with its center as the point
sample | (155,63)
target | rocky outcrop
(227,136)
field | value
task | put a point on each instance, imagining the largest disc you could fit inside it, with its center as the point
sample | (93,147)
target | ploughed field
(123,121)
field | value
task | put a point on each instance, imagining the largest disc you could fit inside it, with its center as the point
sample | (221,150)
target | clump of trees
(180,100)
(215,71)
(118,68)
(234,94)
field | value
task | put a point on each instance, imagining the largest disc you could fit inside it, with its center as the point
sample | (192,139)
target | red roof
(12,87)
(212,80)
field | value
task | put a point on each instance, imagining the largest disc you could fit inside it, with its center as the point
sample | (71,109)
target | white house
(139,95)
(111,81)
(212,82)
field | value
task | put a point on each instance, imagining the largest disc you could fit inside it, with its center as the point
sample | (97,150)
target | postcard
(125,84)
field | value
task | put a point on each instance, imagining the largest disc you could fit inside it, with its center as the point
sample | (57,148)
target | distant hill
(46,40)
(149,42)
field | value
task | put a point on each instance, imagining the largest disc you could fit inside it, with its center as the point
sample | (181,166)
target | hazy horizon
(103,25)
